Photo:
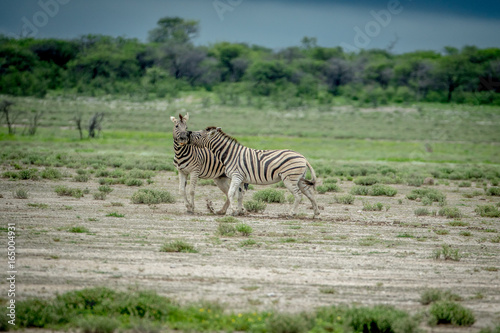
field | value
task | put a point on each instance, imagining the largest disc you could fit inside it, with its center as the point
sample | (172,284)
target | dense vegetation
(169,63)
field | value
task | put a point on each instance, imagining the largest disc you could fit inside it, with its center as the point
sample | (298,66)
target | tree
(174,29)
(6,112)
(337,72)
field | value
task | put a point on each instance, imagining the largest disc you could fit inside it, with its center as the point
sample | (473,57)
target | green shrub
(368,180)
(329,187)
(133,182)
(105,189)
(115,214)
(448,312)
(447,253)
(83,178)
(430,194)
(78,230)
(97,324)
(152,197)
(100,196)
(227,219)
(374,190)
(226,230)
(330,181)
(51,173)
(422,212)
(493,191)
(269,195)
(432,295)
(254,206)
(63,190)
(450,212)
(244,229)
(487,211)
(347,199)
(178,246)
(464,184)
(380,318)
(415,181)
(20,193)
(22,174)
(287,323)
(375,207)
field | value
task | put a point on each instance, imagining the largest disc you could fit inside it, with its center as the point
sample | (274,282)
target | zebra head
(181,134)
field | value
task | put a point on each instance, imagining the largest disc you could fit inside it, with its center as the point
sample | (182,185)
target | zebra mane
(209,128)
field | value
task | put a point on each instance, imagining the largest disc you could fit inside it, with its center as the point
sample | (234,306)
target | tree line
(169,62)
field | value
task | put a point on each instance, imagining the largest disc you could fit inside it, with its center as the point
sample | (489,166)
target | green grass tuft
(178,246)
(347,199)
(254,206)
(448,312)
(63,190)
(487,211)
(152,197)
(269,195)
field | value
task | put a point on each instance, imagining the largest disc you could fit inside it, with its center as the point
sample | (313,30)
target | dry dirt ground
(346,256)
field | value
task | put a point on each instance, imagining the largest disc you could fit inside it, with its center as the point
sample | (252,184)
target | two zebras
(212,154)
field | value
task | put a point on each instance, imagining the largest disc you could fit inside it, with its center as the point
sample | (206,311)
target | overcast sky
(415,24)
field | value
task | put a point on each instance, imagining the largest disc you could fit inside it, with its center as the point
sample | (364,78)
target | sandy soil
(347,256)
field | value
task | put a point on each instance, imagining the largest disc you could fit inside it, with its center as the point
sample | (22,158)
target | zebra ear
(218,129)
(186,117)
(173,119)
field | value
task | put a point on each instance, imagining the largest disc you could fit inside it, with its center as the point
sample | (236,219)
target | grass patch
(366,181)
(458,223)
(450,212)
(38,205)
(79,230)
(446,252)
(347,199)
(22,174)
(133,182)
(376,207)
(254,206)
(226,230)
(81,178)
(421,211)
(374,190)
(63,190)
(449,312)
(105,189)
(115,214)
(75,309)
(20,193)
(493,191)
(429,195)
(152,197)
(244,229)
(227,219)
(329,187)
(51,173)
(100,196)
(269,195)
(487,211)
(178,246)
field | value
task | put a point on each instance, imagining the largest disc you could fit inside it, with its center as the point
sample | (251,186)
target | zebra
(197,163)
(261,167)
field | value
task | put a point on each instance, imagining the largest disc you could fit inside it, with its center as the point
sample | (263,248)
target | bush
(100,196)
(133,182)
(347,199)
(226,230)
(244,229)
(51,173)
(178,246)
(105,189)
(487,211)
(375,207)
(448,312)
(269,195)
(63,190)
(493,191)
(329,187)
(432,295)
(429,194)
(152,197)
(20,193)
(98,324)
(287,323)
(254,206)
(368,180)
(380,318)
(375,190)
(450,212)
(422,212)
(82,178)
(447,253)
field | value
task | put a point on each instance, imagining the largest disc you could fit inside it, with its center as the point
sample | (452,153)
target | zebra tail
(313,176)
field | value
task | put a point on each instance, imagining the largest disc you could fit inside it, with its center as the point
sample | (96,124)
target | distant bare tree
(78,121)
(95,124)
(10,118)
(34,122)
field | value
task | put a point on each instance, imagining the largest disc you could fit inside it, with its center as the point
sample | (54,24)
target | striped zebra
(197,163)
(260,167)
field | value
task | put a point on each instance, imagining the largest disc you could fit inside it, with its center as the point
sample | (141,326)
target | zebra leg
(194,180)
(241,191)
(233,190)
(223,184)
(306,189)
(293,187)
(182,191)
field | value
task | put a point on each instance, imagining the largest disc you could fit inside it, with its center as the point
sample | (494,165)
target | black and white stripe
(243,164)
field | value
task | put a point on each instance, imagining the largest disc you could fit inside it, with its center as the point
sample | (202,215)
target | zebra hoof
(220,212)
